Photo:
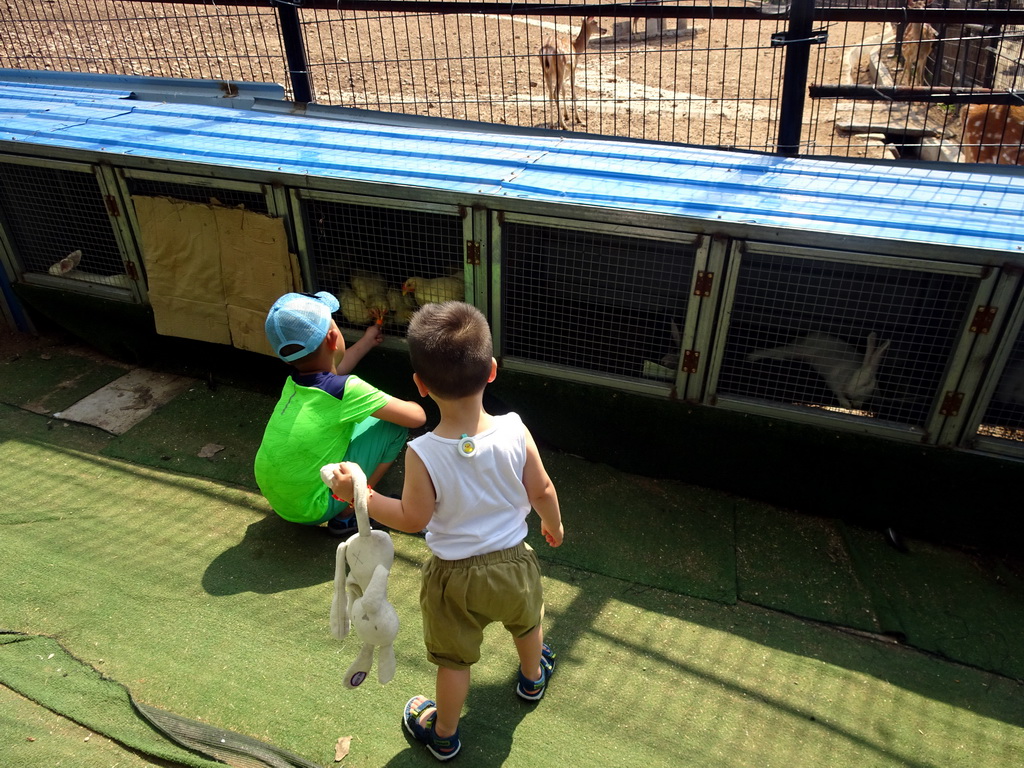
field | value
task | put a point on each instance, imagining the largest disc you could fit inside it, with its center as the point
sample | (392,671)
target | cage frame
(108,189)
(277,205)
(471,272)
(997,354)
(931,431)
(638,230)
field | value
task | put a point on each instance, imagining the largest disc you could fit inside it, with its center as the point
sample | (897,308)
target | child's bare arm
(371,337)
(404,413)
(409,514)
(542,493)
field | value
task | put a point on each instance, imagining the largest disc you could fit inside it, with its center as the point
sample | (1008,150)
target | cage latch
(951,404)
(133,273)
(112,208)
(817,37)
(691,357)
(983,318)
(702,286)
(473,252)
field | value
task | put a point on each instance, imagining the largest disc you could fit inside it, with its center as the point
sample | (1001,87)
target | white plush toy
(361,593)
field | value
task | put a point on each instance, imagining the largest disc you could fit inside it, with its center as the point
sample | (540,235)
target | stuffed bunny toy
(849,375)
(362,565)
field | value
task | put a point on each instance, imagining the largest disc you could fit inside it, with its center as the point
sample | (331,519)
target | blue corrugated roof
(917,204)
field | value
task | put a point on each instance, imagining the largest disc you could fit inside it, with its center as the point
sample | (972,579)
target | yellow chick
(353,308)
(437,290)
(368,287)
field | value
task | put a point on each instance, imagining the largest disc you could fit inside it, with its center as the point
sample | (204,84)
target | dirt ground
(712,82)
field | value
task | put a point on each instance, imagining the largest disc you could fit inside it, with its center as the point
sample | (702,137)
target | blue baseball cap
(301,319)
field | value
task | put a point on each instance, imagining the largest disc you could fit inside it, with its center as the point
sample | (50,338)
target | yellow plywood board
(213,272)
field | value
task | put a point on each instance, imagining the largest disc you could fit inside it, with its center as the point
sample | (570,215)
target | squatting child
(325,414)
(471,483)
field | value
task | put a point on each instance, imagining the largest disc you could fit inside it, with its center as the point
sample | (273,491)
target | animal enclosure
(886,79)
(817,292)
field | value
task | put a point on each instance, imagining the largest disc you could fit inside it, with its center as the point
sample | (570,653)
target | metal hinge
(702,286)
(817,37)
(691,358)
(983,319)
(133,273)
(473,252)
(111,202)
(951,403)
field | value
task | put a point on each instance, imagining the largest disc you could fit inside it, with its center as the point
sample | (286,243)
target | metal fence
(856,78)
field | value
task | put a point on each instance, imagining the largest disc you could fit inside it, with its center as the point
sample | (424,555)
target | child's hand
(373,335)
(554,537)
(341,482)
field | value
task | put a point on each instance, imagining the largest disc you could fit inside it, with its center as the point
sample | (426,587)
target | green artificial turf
(961,605)
(48,379)
(188,593)
(799,564)
(174,435)
(659,534)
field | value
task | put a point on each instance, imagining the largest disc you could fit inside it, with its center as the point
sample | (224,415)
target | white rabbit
(850,375)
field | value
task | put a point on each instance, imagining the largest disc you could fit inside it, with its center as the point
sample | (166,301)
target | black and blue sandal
(442,749)
(533,690)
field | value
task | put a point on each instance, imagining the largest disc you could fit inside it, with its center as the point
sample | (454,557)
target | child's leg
(452,690)
(374,447)
(529,648)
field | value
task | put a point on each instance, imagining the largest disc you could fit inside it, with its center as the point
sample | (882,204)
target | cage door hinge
(473,252)
(702,286)
(983,318)
(691,358)
(112,208)
(817,37)
(133,273)
(951,403)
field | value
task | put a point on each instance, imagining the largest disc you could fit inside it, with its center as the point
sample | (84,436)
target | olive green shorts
(459,598)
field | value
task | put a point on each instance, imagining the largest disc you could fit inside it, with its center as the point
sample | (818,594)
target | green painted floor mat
(799,564)
(48,379)
(959,605)
(661,534)
(227,422)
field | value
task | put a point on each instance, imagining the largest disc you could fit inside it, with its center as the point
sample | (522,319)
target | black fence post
(798,40)
(294,49)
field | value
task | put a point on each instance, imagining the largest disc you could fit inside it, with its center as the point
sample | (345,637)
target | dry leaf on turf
(341,748)
(209,450)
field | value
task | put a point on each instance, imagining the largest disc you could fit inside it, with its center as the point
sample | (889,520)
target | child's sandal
(442,749)
(533,690)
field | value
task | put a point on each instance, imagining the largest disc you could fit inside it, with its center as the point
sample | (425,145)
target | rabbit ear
(677,335)
(873,356)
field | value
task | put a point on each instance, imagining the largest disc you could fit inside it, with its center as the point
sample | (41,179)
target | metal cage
(595,301)
(62,227)
(870,338)
(384,257)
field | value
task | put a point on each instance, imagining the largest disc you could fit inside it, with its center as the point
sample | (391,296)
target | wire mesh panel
(128,37)
(1004,417)
(382,262)
(57,223)
(594,301)
(193,193)
(713,81)
(869,339)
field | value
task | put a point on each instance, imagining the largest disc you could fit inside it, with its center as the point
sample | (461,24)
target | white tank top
(481,500)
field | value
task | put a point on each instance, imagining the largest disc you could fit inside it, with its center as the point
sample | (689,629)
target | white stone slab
(126,401)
